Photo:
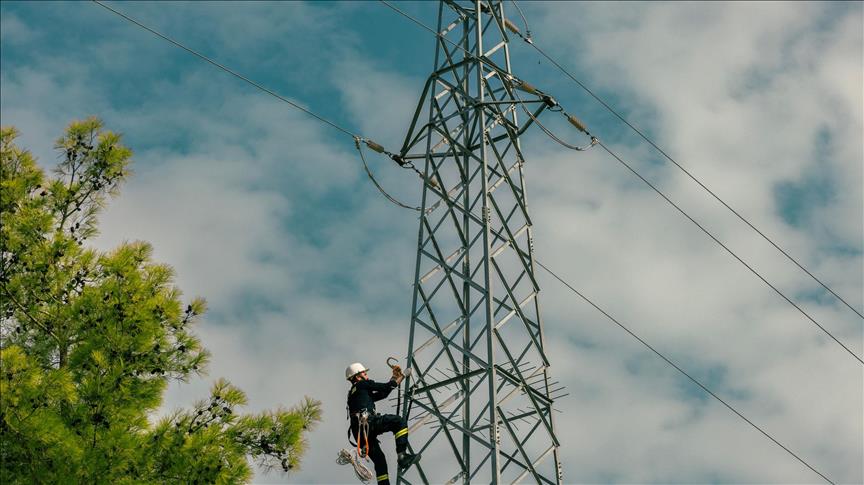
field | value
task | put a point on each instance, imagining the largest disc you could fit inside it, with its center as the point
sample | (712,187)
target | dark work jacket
(363,395)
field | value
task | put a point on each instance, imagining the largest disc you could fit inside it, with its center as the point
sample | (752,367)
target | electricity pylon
(479,399)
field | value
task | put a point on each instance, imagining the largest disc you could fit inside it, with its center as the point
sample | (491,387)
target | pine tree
(90,340)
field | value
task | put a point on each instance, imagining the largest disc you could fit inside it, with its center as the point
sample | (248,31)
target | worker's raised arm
(377,390)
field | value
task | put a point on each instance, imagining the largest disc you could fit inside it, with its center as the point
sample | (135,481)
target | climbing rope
(346,457)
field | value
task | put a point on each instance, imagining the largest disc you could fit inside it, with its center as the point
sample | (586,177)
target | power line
(531,42)
(712,236)
(682,371)
(595,141)
(357,138)
(708,233)
(226,69)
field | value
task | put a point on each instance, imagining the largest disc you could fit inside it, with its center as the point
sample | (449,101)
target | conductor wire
(746,265)
(356,137)
(226,69)
(682,371)
(690,175)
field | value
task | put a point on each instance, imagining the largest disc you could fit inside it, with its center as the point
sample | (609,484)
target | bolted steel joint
(487,215)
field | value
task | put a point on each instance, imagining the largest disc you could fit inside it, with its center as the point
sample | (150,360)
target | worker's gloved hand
(397,374)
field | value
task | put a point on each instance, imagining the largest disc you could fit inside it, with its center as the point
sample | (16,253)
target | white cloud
(13,30)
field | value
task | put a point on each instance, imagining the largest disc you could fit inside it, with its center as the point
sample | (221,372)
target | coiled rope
(347,457)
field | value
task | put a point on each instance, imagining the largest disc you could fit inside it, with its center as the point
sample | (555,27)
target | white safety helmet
(354,369)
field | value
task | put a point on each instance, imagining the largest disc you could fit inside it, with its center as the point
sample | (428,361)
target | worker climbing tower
(479,399)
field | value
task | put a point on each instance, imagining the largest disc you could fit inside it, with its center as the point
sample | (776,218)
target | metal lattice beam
(479,399)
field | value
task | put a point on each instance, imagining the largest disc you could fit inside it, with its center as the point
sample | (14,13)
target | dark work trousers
(378,425)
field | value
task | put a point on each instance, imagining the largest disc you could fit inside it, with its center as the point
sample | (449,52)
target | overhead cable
(357,138)
(595,141)
(746,265)
(529,40)
(682,371)
(226,69)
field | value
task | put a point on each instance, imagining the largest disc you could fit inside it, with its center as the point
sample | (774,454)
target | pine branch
(33,319)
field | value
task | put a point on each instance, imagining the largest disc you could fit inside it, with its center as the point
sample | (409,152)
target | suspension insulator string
(527,37)
(512,27)
(577,123)
(375,147)
(509,25)
(399,159)
(525,86)
(553,105)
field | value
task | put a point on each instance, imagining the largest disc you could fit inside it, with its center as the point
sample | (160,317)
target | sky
(267,213)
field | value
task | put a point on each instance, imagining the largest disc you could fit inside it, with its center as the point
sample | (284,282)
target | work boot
(406,459)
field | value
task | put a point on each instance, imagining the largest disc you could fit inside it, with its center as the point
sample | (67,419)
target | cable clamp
(380,149)
(549,101)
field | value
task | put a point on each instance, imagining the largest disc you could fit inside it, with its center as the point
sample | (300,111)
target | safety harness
(362,434)
(356,457)
(363,416)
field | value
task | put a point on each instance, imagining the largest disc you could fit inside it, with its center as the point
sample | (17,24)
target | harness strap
(362,432)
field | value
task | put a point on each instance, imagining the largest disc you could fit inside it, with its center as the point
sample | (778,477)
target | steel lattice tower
(479,400)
